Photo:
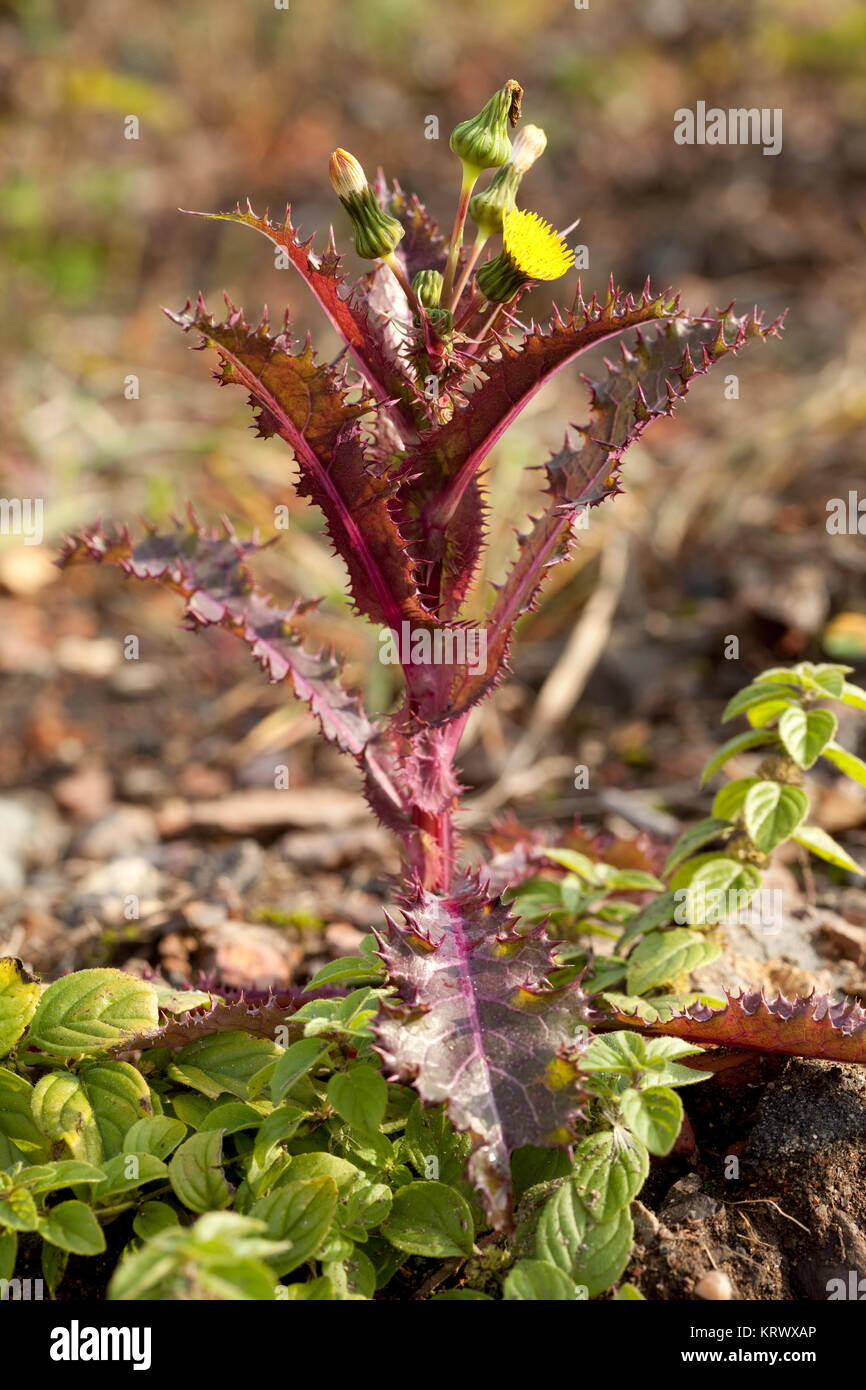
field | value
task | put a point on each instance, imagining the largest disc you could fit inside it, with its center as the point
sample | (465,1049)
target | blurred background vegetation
(722,528)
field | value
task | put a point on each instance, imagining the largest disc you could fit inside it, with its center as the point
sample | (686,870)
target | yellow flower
(531,250)
(533,247)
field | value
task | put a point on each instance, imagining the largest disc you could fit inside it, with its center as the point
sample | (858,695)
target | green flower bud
(488,208)
(376,234)
(427,285)
(482,142)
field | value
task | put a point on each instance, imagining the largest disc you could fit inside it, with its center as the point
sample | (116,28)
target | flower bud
(376,234)
(482,142)
(427,285)
(346,175)
(529,145)
(488,208)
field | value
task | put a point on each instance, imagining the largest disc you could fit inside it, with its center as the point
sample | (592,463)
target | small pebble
(714,1286)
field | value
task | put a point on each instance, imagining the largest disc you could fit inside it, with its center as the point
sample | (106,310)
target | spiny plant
(391,443)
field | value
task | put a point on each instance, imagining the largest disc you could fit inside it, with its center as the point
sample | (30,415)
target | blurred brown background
(722,528)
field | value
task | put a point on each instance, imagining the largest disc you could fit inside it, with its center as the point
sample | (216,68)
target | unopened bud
(489,207)
(376,234)
(482,142)
(427,285)
(529,145)
(347,176)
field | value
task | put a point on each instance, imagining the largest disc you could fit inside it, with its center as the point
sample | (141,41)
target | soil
(774,1194)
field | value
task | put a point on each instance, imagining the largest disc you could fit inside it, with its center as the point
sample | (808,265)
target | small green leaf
(760,716)
(560,1230)
(575,862)
(730,799)
(739,744)
(125,1172)
(301,1214)
(627,1293)
(319,1290)
(655,1115)
(154,1134)
(62,1111)
(359,1096)
(232,1117)
(152,1218)
(295,1062)
(806,733)
(538,1281)
(714,887)
(196,1175)
(53,1261)
(695,838)
(18,1210)
(853,695)
(73,1227)
(233,1061)
(19,996)
(351,1278)
(63,1172)
(8,1253)
(92,1011)
(16,1115)
(772,813)
(430,1218)
(120,1097)
(664,956)
(605,1255)
(321,1165)
(822,844)
(348,970)
(621,1053)
(849,763)
(610,1168)
(280,1126)
(756,694)
(628,880)
(657,913)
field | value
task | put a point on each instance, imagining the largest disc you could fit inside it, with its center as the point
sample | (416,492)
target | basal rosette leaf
(807,1027)
(643,386)
(477,1026)
(305,403)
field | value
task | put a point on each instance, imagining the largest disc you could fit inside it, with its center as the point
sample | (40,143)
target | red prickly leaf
(633,393)
(303,401)
(477,1026)
(260,1017)
(812,1026)
(441,469)
(343,305)
(210,573)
